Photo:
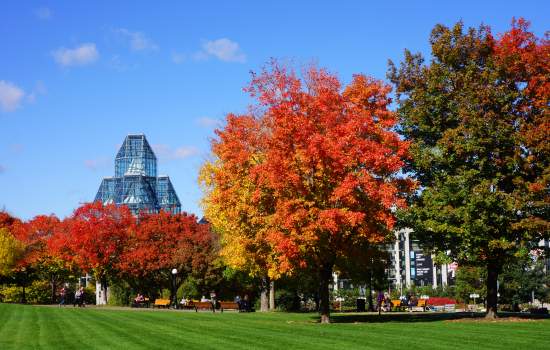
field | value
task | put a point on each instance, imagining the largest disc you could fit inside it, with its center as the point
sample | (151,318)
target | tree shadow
(422,317)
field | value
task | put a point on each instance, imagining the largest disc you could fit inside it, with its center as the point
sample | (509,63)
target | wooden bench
(229,305)
(420,306)
(161,303)
(202,305)
(396,304)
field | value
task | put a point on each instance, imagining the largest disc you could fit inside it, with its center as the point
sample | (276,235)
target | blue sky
(76,77)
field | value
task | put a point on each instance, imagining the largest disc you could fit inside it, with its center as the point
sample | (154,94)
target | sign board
(423,266)
(474,296)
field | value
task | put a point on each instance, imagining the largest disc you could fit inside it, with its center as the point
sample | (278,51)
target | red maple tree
(164,241)
(329,159)
(95,238)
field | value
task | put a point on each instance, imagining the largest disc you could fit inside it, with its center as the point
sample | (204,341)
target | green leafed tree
(477,117)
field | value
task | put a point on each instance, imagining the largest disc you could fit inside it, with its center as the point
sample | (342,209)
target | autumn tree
(477,117)
(40,233)
(11,251)
(238,209)
(319,165)
(164,241)
(95,239)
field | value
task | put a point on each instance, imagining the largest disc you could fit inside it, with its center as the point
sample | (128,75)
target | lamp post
(174,300)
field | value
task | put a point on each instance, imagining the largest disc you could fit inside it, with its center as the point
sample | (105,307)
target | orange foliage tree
(95,238)
(164,241)
(323,170)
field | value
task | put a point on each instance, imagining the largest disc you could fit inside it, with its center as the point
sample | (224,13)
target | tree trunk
(492,292)
(104,289)
(371,304)
(54,287)
(264,300)
(325,276)
(23,297)
(272,296)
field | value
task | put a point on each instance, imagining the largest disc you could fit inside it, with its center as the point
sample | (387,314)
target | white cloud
(223,49)
(43,13)
(178,58)
(79,56)
(137,40)
(165,152)
(207,122)
(39,89)
(10,96)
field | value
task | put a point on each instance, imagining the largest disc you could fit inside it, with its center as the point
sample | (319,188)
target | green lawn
(26,327)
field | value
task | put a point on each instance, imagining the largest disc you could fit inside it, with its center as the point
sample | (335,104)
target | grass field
(36,327)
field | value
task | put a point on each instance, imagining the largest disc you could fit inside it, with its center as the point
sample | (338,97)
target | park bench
(161,303)
(202,305)
(421,306)
(396,305)
(449,308)
(229,305)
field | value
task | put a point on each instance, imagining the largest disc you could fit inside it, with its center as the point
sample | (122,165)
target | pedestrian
(77,295)
(62,293)
(213,298)
(380,301)
(81,300)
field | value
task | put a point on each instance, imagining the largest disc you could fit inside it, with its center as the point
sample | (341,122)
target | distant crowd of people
(142,300)
(384,303)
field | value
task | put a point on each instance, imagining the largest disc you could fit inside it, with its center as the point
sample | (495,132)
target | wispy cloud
(43,13)
(39,89)
(118,64)
(178,58)
(207,122)
(79,56)
(137,41)
(222,49)
(10,96)
(97,163)
(166,153)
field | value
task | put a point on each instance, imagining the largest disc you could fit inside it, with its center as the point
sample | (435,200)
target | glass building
(136,183)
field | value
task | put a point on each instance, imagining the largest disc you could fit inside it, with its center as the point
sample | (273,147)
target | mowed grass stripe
(159,328)
(231,331)
(50,332)
(125,335)
(24,327)
(87,330)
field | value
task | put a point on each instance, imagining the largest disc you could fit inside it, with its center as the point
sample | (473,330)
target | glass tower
(136,183)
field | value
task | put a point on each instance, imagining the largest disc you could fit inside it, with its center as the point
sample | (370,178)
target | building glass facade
(136,183)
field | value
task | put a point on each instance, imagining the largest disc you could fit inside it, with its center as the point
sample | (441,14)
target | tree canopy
(477,119)
(317,164)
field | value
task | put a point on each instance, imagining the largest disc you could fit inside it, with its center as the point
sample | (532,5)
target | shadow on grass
(420,317)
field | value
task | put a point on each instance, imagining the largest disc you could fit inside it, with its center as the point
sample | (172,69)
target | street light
(174,273)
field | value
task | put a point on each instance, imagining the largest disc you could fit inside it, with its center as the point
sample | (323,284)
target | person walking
(76,298)
(62,294)
(81,300)
(380,301)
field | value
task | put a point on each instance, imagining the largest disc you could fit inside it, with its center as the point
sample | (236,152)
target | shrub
(39,292)
(11,294)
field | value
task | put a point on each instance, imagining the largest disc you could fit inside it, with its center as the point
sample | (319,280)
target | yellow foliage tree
(236,207)
(11,250)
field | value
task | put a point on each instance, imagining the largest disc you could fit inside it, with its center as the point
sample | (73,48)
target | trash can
(361,305)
